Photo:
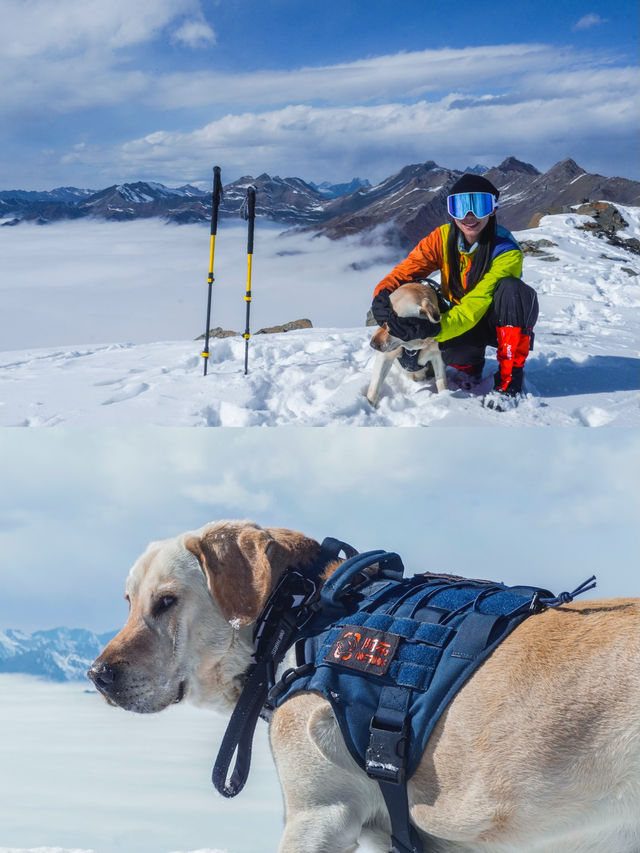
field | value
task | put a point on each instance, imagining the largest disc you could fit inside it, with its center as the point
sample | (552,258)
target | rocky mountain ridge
(59,654)
(407,204)
(413,202)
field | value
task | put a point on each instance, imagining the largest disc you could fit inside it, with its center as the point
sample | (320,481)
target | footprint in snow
(593,416)
(127,393)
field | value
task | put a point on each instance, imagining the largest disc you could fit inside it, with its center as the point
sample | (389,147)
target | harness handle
(389,565)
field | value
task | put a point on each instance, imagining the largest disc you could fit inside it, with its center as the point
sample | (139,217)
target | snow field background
(100,320)
(65,787)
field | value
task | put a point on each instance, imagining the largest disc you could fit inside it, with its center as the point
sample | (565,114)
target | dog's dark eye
(163,604)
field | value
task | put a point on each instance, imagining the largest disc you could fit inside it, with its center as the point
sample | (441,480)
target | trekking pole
(215,204)
(248,211)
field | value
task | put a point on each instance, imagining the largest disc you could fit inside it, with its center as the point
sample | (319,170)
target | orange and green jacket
(431,254)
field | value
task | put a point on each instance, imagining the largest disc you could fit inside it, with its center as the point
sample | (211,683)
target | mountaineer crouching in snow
(486,301)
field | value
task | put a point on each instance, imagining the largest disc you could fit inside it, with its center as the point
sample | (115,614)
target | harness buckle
(536,606)
(386,753)
(286,610)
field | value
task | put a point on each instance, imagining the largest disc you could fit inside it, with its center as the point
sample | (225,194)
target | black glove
(412,328)
(405,328)
(381,308)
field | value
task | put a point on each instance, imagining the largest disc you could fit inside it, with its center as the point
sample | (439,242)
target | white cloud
(70,71)
(60,56)
(586,22)
(563,114)
(406,76)
(195,33)
(60,27)
(227,494)
(367,117)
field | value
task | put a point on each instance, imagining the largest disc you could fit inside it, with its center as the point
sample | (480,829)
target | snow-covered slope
(583,370)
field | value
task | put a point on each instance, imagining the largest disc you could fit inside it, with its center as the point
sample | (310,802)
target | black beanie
(471,183)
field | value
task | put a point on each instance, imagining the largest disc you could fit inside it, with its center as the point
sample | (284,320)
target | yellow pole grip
(247,298)
(212,250)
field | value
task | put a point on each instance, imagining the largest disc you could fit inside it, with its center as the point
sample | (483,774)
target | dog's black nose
(103,676)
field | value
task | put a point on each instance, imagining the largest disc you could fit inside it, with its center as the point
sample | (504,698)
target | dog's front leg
(328,799)
(321,829)
(439,371)
(381,369)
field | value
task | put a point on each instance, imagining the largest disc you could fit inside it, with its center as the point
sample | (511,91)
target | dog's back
(416,299)
(539,751)
(544,740)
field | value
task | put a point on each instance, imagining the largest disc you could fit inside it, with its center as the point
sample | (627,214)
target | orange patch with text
(363,649)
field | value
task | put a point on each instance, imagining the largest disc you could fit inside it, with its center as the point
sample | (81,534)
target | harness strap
(239,735)
(289,606)
(404,836)
(472,637)
(386,763)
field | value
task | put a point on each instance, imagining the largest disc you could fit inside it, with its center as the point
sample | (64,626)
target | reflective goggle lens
(480,204)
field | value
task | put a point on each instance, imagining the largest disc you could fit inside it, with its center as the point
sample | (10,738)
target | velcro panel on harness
(416,650)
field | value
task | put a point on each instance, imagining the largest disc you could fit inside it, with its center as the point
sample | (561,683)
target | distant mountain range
(408,204)
(61,654)
(287,200)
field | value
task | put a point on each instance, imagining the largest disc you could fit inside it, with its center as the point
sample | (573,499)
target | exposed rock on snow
(286,327)
(219,332)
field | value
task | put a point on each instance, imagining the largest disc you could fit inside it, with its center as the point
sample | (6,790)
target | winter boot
(469,375)
(513,349)
(473,371)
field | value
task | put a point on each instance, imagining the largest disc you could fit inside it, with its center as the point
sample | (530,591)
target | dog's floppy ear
(242,563)
(429,309)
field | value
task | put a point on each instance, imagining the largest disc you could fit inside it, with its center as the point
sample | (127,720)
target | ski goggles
(480,204)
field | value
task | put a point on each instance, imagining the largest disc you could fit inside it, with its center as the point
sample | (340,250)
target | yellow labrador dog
(538,753)
(409,300)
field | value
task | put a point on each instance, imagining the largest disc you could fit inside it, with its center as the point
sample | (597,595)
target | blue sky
(96,93)
(541,506)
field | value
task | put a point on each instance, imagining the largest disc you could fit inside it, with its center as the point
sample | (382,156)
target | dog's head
(191,600)
(414,299)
